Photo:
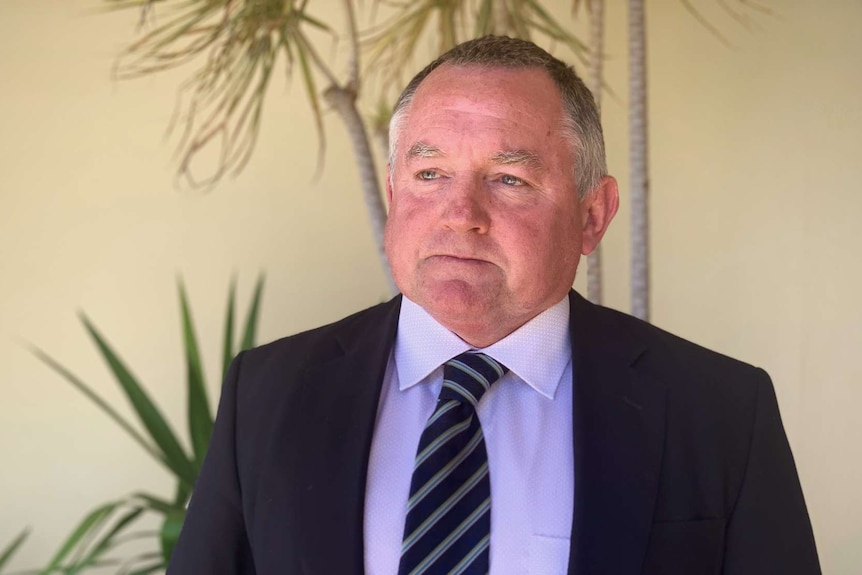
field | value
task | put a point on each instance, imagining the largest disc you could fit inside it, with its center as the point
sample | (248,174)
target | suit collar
(338,404)
(618,428)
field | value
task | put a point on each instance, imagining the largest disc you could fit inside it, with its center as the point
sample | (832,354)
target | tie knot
(468,376)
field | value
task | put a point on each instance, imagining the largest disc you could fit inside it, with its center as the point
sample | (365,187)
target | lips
(458,258)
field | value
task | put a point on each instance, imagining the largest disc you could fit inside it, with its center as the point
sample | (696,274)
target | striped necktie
(448,526)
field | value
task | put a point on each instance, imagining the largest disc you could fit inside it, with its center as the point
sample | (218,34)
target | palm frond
(233,46)
(105,528)
(227,337)
(249,335)
(200,418)
(393,45)
(91,523)
(88,392)
(149,414)
(10,549)
(704,21)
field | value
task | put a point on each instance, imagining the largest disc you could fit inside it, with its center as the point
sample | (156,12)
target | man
(562,438)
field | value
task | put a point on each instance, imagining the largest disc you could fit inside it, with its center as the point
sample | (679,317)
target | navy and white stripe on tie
(448,524)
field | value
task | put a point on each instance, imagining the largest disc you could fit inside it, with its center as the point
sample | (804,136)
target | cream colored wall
(755,206)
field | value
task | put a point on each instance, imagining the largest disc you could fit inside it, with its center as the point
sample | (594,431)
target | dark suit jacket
(681,462)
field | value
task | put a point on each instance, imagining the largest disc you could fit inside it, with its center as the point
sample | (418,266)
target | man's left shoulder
(709,402)
(683,366)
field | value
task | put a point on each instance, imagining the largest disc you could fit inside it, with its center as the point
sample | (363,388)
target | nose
(466,206)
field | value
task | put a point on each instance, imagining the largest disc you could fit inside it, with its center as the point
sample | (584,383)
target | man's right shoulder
(283,360)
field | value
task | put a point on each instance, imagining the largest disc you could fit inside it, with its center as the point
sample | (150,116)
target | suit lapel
(338,407)
(619,417)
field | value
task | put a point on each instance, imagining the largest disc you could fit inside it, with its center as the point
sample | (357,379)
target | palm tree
(638,165)
(595,82)
(242,40)
(638,136)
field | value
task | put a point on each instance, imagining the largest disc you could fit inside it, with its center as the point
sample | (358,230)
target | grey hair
(582,125)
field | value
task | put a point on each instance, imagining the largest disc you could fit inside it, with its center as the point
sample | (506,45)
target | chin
(456,302)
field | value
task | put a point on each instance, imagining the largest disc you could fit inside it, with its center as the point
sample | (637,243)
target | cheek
(553,249)
(403,227)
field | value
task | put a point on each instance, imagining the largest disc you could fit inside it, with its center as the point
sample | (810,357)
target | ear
(389,184)
(598,208)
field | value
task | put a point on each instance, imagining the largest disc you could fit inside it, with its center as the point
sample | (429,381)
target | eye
(511,180)
(427,175)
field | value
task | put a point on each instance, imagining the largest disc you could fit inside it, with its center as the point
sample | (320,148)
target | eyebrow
(504,157)
(519,158)
(422,150)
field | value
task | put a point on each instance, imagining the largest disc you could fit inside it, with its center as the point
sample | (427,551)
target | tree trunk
(595,80)
(500,17)
(638,161)
(381,136)
(342,98)
(344,103)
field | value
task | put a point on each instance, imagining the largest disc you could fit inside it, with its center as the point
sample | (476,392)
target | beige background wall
(755,220)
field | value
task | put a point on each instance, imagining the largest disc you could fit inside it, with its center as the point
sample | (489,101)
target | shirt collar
(537,352)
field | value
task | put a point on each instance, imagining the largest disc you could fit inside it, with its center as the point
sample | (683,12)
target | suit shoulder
(673,358)
(268,377)
(710,399)
(321,342)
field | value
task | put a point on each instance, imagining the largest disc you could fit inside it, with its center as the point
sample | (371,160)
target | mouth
(457,259)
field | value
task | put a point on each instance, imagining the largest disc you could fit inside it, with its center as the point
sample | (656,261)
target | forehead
(481,81)
(515,103)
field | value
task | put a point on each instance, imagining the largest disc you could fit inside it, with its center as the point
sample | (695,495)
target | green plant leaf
(156,504)
(231,48)
(249,336)
(150,416)
(227,345)
(181,496)
(105,543)
(200,419)
(151,568)
(107,528)
(134,567)
(13,547)
(101,403)
(85,528)
(171,528)
(302,48)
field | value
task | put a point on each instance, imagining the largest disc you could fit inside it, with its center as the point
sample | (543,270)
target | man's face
(485,228)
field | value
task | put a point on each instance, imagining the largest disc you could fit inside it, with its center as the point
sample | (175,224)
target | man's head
(490,209)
